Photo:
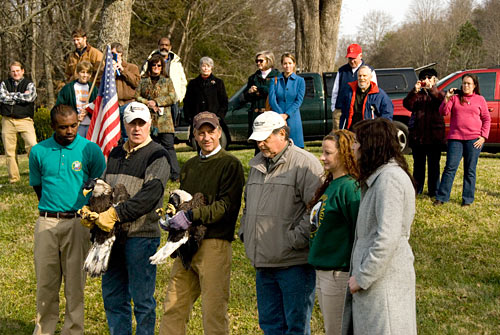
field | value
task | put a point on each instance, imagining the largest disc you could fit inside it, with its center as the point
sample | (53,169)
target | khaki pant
(61,246)
(10,128)
(331,288)
(209,276)
(337,113)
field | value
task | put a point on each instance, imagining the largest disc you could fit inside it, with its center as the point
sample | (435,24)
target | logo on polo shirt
(76,166)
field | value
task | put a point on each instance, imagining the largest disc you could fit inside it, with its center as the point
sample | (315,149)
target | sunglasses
(427,77)
(156,65)
(257,61)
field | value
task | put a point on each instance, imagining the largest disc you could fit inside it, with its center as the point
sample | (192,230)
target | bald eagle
(103,197)
(181,243)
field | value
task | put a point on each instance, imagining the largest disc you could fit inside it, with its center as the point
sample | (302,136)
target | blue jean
(285,299)
(122,125)
(130,276)
(83,129)
(456,150)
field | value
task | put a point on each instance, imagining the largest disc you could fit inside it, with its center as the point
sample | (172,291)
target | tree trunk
(316,31)
(47,63)
(115,24)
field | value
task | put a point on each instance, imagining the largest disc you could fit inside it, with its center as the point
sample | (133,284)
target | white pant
(331,288)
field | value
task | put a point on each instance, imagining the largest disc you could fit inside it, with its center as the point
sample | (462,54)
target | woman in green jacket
(333,218)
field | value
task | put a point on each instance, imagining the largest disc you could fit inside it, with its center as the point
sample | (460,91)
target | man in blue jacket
(346,73)
(365,100)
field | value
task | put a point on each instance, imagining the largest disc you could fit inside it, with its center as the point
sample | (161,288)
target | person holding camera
(426,130)
(469,128)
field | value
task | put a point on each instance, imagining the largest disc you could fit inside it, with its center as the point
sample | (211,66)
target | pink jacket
(468,121)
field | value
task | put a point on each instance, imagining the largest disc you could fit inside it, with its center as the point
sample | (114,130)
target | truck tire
(403,137)
(222,141)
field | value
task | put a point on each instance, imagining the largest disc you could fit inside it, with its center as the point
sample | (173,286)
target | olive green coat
(163,93)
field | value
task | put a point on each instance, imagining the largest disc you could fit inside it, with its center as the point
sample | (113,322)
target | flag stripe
(104,127)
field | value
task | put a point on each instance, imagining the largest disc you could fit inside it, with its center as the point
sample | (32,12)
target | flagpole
(97,72)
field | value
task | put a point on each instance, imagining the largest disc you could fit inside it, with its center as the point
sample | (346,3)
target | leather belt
(59,215)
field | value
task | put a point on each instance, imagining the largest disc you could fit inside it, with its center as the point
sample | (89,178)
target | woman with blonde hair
(333,220)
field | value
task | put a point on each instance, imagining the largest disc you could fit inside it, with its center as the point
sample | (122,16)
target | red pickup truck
(489,83)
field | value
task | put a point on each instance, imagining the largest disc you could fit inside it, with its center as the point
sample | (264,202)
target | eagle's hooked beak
(86,191)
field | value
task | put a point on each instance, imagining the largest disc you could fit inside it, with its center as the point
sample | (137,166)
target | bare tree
(115,23)
(426,16)
(316,31)
(372,29)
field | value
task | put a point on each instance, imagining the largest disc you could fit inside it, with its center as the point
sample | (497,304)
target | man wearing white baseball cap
(142,166)
(275,226)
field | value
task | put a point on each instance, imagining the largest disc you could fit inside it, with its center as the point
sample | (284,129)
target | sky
(353,11)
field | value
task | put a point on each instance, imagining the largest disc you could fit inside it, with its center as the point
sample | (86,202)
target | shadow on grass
(16,188)
(15,327)
(489,192)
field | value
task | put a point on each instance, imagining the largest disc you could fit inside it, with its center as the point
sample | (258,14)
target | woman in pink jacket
(469,128)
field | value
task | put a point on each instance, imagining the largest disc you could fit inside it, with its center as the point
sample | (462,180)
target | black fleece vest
(19,110)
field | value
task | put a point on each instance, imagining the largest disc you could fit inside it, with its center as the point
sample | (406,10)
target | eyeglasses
(156,65)
(257,61)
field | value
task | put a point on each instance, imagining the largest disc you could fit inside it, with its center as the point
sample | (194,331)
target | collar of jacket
(373,87)
(259,161)
(370,180)
(293,76)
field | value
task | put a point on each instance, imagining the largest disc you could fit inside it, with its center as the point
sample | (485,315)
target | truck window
(310,92)
(487,82)
(329,80)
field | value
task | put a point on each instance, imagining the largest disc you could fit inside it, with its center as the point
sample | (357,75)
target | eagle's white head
(98,187)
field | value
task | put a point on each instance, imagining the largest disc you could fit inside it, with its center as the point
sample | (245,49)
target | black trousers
(167,141)
(432,154)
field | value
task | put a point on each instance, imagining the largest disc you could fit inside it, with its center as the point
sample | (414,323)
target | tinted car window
(487,82)
(329,80)
(309,87)
(392,82)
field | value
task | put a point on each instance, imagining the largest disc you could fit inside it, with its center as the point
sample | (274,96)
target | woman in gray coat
(382,281)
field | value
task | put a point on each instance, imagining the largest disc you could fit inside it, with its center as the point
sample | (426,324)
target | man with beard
(58,168)
(83,51)
(173,69)
(365,100)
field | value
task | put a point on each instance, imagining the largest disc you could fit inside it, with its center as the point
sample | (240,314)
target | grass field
(457,253)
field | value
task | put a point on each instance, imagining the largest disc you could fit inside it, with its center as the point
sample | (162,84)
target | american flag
(104,128)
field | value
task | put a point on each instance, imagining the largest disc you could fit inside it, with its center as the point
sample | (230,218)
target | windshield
(441,81)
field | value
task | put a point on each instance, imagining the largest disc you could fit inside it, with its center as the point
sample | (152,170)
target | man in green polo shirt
(58,168)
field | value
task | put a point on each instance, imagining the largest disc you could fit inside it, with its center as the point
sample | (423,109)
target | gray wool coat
(382,259)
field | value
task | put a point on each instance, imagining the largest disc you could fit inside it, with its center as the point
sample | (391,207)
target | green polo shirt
(62,170)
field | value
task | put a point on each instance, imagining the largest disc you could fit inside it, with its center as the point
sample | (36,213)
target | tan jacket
(127,82)
(275,224)
(91,55)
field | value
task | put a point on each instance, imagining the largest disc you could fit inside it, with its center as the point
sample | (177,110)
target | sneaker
(437,202)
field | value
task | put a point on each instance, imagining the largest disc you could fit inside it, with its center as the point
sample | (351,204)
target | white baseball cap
(136,110)
(264,124)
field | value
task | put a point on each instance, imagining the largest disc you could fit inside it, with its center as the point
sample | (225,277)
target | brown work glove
(107,219)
